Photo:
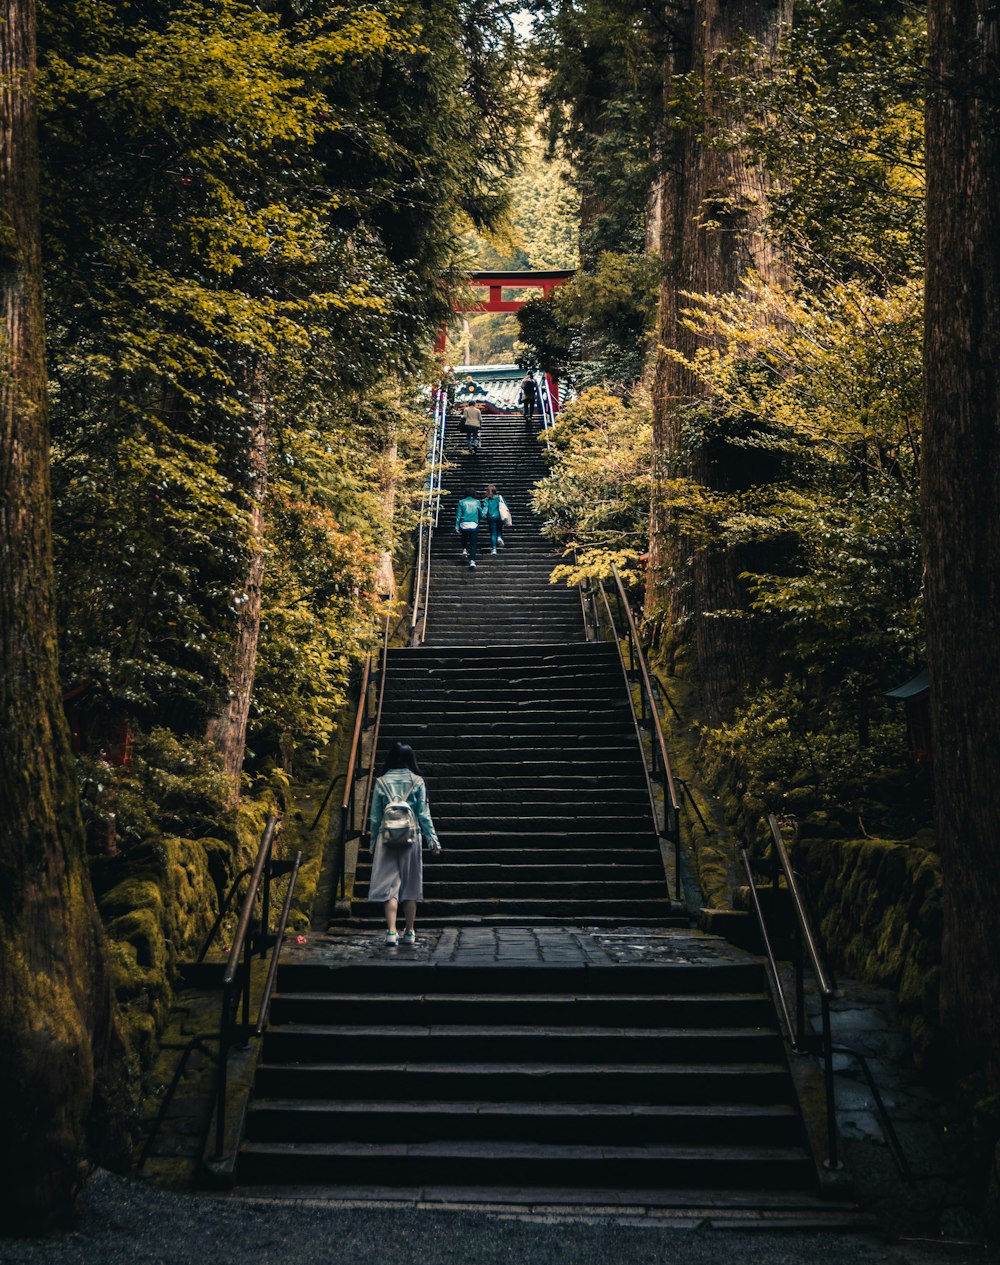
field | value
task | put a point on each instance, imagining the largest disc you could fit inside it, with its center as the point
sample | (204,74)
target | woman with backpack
(497,515)
(399,827)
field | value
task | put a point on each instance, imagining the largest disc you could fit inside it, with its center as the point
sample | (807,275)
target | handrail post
(342,855)
(833,1161)
(247,963)
(265,911)
(222,1086)
(800,994)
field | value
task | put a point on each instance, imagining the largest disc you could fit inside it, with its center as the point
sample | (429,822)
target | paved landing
(523,946)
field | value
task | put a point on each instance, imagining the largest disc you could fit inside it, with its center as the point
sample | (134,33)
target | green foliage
(541,234)
(595,501)
(602,94)
(841,134)
(595,330)
(248,212)
(792,736)
(830,387)
(171,783)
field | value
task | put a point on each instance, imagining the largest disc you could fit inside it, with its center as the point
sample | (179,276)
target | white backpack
(399,829)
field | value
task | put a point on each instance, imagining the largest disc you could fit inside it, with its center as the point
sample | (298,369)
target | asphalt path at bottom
(127,1223)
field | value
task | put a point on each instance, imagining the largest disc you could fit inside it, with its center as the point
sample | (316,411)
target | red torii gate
(496,283)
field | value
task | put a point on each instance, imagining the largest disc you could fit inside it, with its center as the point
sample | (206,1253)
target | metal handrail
(347,802)
(236,980)
(638,669)
(382,673)
(631,704)
(547,408)
(272,974)
(798,1038)
(430,509)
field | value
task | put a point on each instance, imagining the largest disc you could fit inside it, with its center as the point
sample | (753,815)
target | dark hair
(400,756)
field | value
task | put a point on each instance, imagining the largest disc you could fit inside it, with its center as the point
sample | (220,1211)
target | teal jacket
(398,781)
(468,513)
(491,507)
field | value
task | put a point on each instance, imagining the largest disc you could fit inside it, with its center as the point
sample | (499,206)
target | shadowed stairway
(522,728)
(451,1073)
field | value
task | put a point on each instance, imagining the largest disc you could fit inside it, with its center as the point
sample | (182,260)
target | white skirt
(397,874)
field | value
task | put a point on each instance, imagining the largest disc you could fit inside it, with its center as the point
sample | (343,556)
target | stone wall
(878,907)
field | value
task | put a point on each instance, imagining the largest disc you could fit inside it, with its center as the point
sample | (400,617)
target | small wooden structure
(915,695)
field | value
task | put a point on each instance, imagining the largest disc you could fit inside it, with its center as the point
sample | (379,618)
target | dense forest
(231,232)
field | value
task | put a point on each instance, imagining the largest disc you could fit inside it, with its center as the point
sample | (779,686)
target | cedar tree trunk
(712,208)
(227,728)
(56,1010)
(961,511)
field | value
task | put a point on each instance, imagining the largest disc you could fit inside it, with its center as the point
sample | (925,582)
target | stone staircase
(523,730)
(598,1078)
(536,786)
(508,599)
(588,1076)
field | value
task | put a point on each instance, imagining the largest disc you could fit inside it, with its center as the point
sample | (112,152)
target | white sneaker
(465,553)
(499,542)
(391,939)
(472,566)
(493,552)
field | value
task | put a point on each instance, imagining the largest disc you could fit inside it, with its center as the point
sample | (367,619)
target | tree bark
(227,727)
(712,207)
(55,994)
(961,511)
(386,578)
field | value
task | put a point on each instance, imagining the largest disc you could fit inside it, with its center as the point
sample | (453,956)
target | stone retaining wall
(878,906)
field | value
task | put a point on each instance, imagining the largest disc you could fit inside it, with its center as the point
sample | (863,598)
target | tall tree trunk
(227,728)
(961,511)
(390,484)
(55,994)
(712,208)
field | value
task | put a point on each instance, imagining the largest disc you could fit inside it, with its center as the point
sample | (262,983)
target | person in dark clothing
(529,396)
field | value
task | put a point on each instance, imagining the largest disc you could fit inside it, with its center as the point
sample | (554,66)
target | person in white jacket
(398,873)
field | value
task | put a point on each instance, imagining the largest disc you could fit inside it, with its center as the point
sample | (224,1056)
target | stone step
(680,979)
(548,653)
(580,861)
(306,1043)
(540,822)
(525,1164)
(615,1124)
(582,913)
(550,1010)
(365,917)
(691,1085)
(556,801)
(476,889)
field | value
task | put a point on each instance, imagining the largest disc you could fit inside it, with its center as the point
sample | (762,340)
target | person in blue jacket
(468,515)
(398,874)
(494,515)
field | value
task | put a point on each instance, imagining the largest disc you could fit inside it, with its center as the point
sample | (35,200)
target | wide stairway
(508,599)
(620,1079)
(523,730)
(452,1073)
(536,787)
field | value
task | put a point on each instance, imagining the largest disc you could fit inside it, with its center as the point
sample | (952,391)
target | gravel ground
(127,1223)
